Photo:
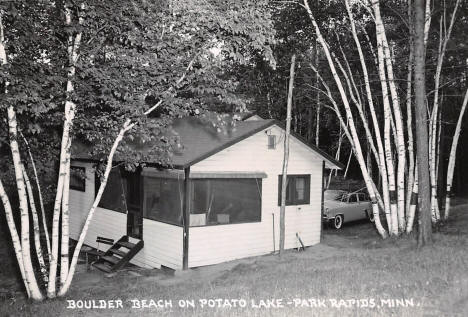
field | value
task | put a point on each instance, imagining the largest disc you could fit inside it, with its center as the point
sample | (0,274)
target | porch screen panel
(113,197)
(163,199)
(225,201)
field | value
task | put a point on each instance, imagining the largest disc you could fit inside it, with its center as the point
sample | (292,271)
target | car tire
(370,216)
(338,222)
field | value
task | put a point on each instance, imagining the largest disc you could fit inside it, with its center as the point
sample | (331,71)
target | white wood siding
(163,245)
(81,202)
(216,244)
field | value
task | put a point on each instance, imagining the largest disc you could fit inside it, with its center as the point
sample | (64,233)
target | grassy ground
(352,264)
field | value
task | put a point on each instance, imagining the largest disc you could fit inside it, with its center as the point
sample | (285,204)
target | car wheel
(338,222)
(370,215)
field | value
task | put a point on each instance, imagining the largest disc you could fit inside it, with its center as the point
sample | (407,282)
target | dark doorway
(134,206)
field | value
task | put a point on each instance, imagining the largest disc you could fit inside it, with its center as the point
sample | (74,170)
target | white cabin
(218,202)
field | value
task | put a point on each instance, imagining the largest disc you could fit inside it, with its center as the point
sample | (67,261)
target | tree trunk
(413,201)
(37,232)
(23,207)
(422,138)
(284,180)
(317,100)
(409,119)
(453,156)
(39,191)
(435,114)
(64,257)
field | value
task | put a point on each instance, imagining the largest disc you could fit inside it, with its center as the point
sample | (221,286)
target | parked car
(341,207)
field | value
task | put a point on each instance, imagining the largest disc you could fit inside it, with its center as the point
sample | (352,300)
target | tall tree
(284,179)
(422,137)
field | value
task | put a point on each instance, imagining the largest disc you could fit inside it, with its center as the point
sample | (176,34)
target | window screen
(297,189)
(78,178)
(163,199)
(113,197)
(225,201)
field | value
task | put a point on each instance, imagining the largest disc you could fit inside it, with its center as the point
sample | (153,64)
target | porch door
(134,206)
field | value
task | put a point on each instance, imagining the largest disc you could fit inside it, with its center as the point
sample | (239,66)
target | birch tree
(453,155)
(284,179)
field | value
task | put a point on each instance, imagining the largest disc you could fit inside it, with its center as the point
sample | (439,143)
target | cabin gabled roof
(200,140)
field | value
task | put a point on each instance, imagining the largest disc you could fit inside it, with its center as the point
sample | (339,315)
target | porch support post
(186,215)
(322,208)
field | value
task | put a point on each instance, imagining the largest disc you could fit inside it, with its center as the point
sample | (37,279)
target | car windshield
(334,195)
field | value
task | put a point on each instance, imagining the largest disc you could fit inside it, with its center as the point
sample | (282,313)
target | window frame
(259,182)
(81,187)
(294,201)
(143,205)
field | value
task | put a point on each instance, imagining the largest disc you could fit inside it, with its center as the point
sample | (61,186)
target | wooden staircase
(119,254)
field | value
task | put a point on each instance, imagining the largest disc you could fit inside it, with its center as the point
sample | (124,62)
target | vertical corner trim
(186,216)
(322,202)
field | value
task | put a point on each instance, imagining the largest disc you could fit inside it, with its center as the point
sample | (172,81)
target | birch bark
(36,228)
(35,292)
(383,49)
(453,155)
(435,114)
(284,179)
(39,191)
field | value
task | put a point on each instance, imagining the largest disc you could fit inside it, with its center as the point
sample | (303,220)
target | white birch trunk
(435,113)
(39,190)
(65,224)
(427,24)
(35,292)
(37,232)
(409,119)
(400,138)
(413,202)
(347,165)
(284,180)
(393,217)
(453,156)
(317,115)
(354,134)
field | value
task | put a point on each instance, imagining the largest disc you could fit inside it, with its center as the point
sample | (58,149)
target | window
(225,201)
(352,198)
(297,190)
(78,178)
(271,142)
(363,197)
(113,197)
(163,199)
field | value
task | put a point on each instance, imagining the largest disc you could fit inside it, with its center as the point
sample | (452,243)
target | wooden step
(103,266)
(118,252)
(110,258)
(126,244)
